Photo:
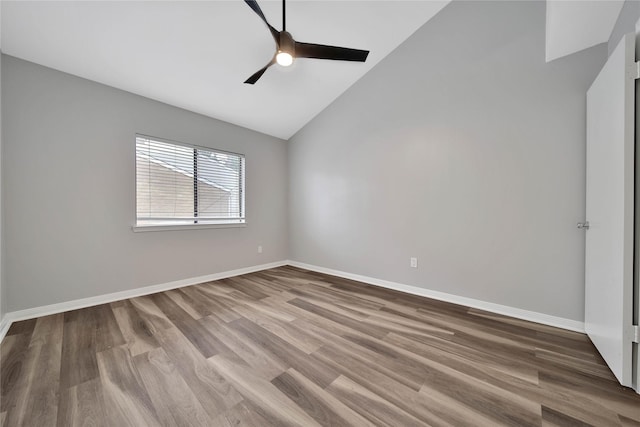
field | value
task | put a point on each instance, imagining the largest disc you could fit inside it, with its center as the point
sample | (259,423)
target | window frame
(221,223)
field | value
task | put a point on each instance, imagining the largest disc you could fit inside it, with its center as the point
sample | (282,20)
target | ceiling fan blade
(320,51)
(256,76)
(253,4)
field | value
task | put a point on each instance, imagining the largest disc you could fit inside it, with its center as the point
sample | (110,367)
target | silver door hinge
(637,69)
(636,334)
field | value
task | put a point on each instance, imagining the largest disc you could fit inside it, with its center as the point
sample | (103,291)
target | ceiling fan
(287,48)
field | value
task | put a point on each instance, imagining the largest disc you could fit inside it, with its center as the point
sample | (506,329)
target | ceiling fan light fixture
(284,58)
(288,49)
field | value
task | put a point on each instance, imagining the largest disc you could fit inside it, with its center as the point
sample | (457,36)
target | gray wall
(462,148)
(69,191)
(626,23)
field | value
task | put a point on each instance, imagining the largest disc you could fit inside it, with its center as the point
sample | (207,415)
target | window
(179,184)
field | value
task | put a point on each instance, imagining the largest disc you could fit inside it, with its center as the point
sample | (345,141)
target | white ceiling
(196,54)
(574,25)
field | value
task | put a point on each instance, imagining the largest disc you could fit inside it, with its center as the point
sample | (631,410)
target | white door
(610,212)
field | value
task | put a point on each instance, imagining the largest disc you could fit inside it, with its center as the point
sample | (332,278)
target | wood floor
(287,347)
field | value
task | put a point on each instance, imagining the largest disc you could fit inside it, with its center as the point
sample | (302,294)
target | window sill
(177,227)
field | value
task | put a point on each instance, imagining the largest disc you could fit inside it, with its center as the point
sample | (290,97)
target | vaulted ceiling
(196,54)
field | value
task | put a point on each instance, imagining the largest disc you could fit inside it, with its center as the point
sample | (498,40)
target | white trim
(178,227)
(31,313)
(4,326)
(518,313)
(532,316)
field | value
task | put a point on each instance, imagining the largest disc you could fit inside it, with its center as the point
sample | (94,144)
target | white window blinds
(182,184)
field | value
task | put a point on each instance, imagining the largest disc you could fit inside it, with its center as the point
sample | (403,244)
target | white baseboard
(46,310)
(4,326)
(532,316)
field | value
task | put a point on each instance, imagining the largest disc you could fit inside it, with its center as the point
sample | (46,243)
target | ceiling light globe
(284,58)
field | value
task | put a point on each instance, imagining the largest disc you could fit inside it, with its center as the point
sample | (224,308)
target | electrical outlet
(413,262)
(259,249)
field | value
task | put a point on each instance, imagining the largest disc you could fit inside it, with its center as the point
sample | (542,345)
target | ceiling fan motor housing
(287,44)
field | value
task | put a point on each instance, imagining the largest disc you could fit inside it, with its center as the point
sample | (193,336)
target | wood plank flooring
(289,347)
